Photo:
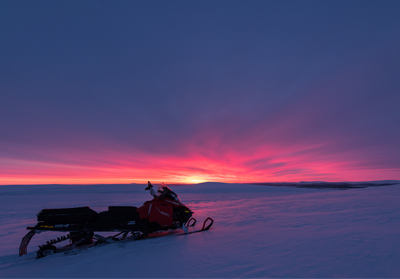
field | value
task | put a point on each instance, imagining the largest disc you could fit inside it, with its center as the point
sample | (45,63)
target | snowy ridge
(259,231)
(332,185)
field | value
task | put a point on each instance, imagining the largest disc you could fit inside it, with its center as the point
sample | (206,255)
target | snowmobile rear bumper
(25,241)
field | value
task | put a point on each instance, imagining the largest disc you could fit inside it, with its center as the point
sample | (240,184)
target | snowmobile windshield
(166,192)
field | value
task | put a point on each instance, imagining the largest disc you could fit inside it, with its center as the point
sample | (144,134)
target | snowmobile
(164,212)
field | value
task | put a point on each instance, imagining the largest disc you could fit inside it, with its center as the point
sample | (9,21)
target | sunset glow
(115,170)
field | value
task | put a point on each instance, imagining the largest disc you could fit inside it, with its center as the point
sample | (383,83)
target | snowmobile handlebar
(149,186)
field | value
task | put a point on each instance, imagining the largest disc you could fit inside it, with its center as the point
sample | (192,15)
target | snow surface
(259,231)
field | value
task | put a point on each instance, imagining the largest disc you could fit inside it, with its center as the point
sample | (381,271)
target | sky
(193,91)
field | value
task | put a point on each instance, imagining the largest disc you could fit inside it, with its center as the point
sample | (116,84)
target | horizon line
(183,184)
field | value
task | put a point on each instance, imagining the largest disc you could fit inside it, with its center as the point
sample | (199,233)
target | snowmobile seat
(67,215)
(123,210)
(118,213)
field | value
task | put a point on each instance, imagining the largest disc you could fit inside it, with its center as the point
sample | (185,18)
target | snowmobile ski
(206,226)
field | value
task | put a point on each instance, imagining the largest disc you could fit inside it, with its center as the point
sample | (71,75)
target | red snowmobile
(165,211)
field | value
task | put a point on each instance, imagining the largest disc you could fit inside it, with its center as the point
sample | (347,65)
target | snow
(259,231)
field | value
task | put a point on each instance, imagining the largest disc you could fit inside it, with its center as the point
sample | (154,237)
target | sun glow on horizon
(194,180)
(233,168)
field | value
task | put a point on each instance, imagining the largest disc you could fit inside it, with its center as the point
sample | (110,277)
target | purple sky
(187,91)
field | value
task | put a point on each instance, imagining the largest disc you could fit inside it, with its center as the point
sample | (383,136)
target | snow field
(259,231)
